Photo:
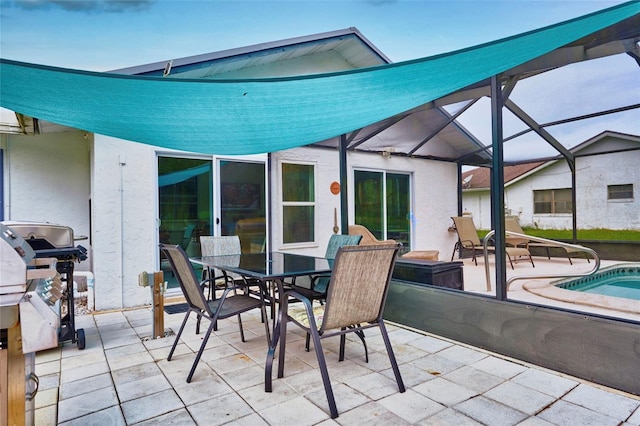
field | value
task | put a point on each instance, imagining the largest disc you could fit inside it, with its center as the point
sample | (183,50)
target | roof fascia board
(607,133)
(213,56)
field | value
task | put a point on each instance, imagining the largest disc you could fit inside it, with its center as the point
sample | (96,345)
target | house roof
(256,61)
(390,107)
(480,177)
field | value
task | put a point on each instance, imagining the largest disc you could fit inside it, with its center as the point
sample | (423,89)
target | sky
(103,35)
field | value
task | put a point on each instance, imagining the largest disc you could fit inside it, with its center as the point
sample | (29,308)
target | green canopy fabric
(267,115)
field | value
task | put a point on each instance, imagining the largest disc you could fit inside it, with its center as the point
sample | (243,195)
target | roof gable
(607,142)
(338,50)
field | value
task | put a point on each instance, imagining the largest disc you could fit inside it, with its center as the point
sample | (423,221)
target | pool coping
(548,290)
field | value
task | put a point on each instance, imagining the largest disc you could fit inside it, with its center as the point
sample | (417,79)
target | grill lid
(41,236)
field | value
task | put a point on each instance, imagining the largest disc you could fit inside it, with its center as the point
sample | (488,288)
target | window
(552,201)
(382,204)
(620,192)
(298,203)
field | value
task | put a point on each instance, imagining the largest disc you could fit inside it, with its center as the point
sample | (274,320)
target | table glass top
(267,265)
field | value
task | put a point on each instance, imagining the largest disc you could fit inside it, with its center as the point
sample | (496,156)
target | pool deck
(542,291)
(124,378)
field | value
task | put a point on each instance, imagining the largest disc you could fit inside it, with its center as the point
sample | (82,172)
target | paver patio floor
(123,378)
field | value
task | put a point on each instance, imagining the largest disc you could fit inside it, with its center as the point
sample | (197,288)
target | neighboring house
(539,194)
(128,197)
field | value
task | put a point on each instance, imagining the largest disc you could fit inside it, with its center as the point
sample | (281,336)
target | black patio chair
(229,304)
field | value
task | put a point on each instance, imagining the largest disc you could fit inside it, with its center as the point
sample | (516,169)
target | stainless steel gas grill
(56,241)
(29,320)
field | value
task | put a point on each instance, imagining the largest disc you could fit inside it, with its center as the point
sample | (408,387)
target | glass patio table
(268,268)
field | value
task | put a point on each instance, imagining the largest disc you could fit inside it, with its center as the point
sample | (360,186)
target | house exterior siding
(119,178)
(597,165)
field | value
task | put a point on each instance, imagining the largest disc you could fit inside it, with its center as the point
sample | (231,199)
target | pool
(617,281)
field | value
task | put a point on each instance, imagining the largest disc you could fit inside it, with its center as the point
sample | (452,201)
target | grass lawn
(583,234)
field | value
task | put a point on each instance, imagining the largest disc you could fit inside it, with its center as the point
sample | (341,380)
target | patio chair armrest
(470,243)
(315,278)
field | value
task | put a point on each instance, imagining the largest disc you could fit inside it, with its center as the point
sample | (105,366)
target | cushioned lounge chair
(512,224)
(468,240)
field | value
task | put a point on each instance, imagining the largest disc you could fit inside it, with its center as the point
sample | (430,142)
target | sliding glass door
(383,204)
(243,203)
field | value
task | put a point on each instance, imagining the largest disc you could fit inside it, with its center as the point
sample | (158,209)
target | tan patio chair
(319,283)
(217,246)
(229,304)
(512,224)
(355,301)
(367,237)
(468,240)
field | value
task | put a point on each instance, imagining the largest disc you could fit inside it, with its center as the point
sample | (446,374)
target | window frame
(618,189)
(553,202)
(283,204)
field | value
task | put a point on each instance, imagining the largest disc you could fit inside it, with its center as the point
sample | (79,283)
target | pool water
(618,281)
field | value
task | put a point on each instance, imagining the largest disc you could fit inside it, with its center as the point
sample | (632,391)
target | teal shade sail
(267,115)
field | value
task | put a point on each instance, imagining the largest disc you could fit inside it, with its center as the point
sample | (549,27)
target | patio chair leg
(283,336)
(392,357)
(360,334)
(307,342)
(241,329)
(271,352)
(322,363)
(204,343)
(175,342)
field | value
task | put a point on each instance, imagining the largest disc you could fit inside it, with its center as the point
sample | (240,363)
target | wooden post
(12,380)
(4,396)
(158,305)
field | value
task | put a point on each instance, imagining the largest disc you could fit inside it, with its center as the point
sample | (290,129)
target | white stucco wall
(477,204)
(47,180)
(594,174)
(593,210)
(124,187)
(433,204)
(119,178)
